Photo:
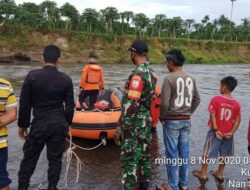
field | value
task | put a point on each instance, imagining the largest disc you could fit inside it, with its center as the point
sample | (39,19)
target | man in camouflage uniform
(134,128)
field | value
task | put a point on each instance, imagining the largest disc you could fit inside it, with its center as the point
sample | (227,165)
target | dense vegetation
(27,27)
(47,17)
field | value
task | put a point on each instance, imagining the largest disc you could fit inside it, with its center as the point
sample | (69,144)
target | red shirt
(226,110)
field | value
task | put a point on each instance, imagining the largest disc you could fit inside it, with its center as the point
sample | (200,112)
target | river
(101,167)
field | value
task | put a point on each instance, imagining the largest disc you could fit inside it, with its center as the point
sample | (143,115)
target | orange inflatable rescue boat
(100,122)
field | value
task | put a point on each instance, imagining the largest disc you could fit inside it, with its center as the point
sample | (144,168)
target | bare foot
(164,186)
(199,175)
(218,176)
(159,187)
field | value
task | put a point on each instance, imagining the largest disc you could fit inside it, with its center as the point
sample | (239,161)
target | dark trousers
(91,94)
(50,132)
(4,176)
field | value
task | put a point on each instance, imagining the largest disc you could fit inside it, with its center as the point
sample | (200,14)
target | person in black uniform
(49,93)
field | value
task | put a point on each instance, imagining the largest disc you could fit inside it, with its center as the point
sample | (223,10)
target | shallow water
(101,167)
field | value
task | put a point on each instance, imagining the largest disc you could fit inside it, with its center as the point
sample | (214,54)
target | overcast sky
(195,9)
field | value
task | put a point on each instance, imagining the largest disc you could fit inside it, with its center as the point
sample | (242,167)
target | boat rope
(106,112)
(103,142)
(70,154)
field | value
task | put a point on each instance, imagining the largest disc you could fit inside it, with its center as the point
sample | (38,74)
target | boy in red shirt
(224,121)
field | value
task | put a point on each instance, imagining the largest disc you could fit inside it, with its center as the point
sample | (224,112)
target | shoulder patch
(136,85)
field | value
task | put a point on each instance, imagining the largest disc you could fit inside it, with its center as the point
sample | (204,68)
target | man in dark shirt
(49,94)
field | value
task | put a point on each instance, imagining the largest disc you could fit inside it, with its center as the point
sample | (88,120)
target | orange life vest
(155,106)
(94,74)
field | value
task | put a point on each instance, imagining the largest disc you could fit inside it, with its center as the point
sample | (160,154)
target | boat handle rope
(104,112)
(98,110)
(70,154)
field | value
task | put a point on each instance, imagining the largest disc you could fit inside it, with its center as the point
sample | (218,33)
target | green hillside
(76,47)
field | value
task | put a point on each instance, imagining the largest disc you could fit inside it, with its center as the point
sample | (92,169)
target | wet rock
(18,57)
(22,57)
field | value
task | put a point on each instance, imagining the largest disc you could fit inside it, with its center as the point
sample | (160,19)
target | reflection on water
(101,167)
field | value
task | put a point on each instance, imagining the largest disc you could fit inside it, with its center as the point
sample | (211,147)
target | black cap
(139,47)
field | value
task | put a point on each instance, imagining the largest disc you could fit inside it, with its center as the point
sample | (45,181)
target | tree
(205,22)
(209,31)
(159,22)
(189,24)
(151,27)
(8,9)
(223,22)
(109,15)
(224,25)
(128,17)
(141,21)
(90,16)
(71,13)
(122,17)
(50,12)
(175,26)
(245,29)
(197,32)
(246,22)
(47,16)
(29,14)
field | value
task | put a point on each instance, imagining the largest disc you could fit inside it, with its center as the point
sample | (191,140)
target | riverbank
(76,47)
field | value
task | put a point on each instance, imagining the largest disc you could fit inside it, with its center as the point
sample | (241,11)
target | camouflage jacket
(137,100)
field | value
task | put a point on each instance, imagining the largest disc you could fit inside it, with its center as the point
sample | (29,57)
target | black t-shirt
(48,92)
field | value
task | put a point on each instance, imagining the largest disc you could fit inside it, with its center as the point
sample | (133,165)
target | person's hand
(248,149)
(219,135)
(228,135)
(117,137)
(118,143)
(69,130)
(80,90)
(162,121)
(155,125)
(102,92)
(23,132)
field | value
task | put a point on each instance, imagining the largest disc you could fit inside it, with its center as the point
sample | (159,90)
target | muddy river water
(101,167)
